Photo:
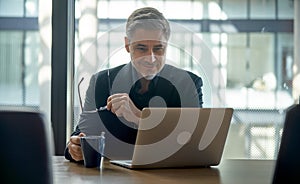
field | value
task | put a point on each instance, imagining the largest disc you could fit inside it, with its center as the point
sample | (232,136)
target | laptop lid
(181,137)
(288,158)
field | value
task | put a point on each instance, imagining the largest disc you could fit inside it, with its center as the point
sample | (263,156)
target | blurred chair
(288,159)
(25,155)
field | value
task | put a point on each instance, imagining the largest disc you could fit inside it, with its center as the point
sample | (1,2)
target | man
(145,81)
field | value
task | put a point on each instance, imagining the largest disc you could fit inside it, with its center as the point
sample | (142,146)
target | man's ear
(127,44)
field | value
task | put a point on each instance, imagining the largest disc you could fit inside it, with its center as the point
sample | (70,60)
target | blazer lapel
(122,81)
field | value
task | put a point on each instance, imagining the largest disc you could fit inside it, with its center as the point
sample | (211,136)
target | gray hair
(147,18)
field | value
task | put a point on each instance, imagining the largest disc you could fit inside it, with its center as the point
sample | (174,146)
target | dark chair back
(25,155)
(288,160)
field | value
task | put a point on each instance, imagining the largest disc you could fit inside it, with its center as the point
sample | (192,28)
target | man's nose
(151,56)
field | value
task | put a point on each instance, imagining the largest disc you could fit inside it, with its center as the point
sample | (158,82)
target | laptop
(179,137)
(288,159)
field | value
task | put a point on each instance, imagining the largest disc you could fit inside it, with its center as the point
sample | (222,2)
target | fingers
(115,101)
(76,139)
(121,105)
(108,103)
(75,151)
(75,148)
(116,97)
(81,134)
(119,110)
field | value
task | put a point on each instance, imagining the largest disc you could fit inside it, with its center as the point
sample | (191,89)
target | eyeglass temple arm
(78,88)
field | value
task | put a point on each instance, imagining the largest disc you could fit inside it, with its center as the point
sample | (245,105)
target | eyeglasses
(80,100)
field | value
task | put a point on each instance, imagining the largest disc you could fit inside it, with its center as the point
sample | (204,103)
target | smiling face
(147,50)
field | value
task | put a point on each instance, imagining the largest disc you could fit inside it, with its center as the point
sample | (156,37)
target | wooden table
(233,171)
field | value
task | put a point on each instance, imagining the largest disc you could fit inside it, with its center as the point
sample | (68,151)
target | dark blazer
(173,87)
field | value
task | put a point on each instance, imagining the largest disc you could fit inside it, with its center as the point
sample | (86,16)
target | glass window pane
(25,60)
(214,10)
(158,4)
(11,8)
(172,7)
(197,10)
(262,9)
(19,68)
(262,62)
(102,12)
(118,8)
(11,92)
(188,9)
(31,7)
(235,9)
(285,9)
(236,58)
(207,10)
(286,60)
(32,50)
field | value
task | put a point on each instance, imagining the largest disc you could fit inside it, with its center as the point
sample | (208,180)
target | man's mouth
(147,65)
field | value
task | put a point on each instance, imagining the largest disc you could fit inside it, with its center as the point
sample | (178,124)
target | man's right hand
(121,105)
(75,147)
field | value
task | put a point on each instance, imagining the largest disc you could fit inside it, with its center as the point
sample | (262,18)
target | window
(25,47)
(246,62)
(254,64)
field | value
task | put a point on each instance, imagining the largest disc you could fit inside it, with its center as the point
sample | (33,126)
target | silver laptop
(179,137)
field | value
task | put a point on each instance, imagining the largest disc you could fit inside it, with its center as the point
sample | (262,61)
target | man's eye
(157,49)
(141,49)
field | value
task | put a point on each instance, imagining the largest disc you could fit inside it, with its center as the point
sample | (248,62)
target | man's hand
(75,148)
(121,105)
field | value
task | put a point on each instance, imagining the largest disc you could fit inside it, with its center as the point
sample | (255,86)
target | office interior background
(245,50)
